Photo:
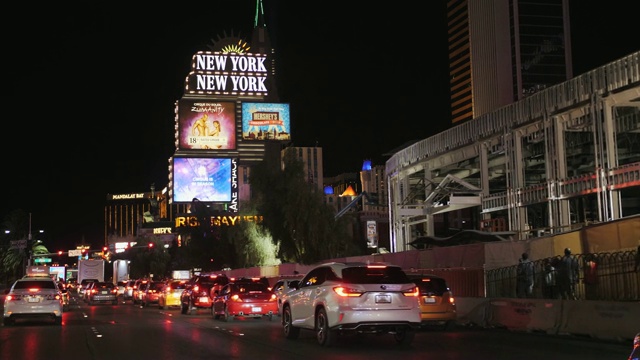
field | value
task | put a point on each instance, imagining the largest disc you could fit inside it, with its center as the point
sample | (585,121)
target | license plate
(33,299)
(429,300)
(256,309)
(204,299)
(385,299)
(104,292)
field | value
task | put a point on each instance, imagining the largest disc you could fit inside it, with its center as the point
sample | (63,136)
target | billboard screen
(207,125)
(207,179)
(265,121)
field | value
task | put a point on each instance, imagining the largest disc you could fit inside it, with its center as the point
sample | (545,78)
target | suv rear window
(374,275)
(40,284)
(431,286)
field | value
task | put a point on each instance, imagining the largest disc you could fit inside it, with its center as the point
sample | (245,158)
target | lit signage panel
(266,121)
(207,179)
(208,125)
(216,73)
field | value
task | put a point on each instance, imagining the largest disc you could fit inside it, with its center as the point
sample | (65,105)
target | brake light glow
(32,290)
(414,291)
(376,266)
(347,292)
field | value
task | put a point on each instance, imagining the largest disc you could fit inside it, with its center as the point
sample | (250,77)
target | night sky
(89,105)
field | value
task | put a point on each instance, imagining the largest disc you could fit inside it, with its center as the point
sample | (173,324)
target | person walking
(525,277)
(549,280)
(567,278)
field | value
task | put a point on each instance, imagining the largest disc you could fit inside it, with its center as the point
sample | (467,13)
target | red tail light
(347,292)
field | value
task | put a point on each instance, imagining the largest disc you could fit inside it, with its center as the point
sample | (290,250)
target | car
(33,298)
(138,286)
(340,298)
(151,293)
(437,304)
(170,294)
(64,291)
(199,291)
(102,292)
(122,285)
(283,286)
(249,298)
(82,287)
(87,290)
(138,291)
(128,290)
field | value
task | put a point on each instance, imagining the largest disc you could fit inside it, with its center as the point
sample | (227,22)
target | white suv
(338,298)
(33,297)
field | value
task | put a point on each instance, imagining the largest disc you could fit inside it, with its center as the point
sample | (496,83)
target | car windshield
(40,284)
(374,275)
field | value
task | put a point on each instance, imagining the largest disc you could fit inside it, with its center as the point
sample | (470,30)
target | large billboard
(206,125)
(215,73)
(265,121)
(205,179)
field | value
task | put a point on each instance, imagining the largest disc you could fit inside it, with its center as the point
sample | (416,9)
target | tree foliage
(301,224)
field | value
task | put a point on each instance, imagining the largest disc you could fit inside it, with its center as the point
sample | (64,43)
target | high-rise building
(311,157)
(501,51)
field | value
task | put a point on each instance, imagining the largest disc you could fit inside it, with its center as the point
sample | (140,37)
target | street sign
(42,260)
(75,252)
(20,244)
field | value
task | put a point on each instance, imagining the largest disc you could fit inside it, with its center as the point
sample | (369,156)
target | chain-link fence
(601,276)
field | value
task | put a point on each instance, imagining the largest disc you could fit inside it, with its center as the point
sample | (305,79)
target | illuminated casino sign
(217,73)
(192,221)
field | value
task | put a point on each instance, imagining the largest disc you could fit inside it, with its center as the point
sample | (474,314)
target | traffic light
(150,245)
(59,252)
(105,249)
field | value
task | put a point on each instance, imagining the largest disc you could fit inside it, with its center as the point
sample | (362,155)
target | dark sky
(89,101)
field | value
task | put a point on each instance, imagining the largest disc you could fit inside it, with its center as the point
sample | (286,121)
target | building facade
(563,157)
(501,51)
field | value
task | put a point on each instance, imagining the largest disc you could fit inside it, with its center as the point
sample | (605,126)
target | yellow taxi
(437,304)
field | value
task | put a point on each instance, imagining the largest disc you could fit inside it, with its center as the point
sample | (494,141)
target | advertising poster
(266,121)
(207,179)
(372,234)
(207,125)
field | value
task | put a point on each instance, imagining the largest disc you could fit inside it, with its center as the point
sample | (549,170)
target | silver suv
(338,298)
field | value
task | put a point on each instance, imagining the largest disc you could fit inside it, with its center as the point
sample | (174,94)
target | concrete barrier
(604,320)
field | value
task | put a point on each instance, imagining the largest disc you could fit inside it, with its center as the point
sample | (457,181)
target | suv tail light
(414,291)
(347,292)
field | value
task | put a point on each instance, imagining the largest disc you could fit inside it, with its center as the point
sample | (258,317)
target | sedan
(245,299)
(103,292)
(33,298)
(151,293)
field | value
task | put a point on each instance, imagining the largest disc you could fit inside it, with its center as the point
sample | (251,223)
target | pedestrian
(549,280)
(525,277)
(567,276)
(591,277)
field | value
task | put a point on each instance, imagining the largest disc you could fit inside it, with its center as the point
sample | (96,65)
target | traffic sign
(75,252)
(42,260)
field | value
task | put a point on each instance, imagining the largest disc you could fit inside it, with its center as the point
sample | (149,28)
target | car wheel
(114,302)
(325,336)
(58,320)
(7,321)
(270,317)
(290,331)
(404,336)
